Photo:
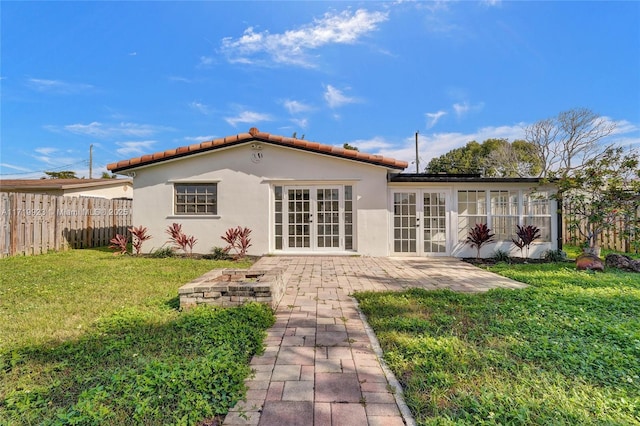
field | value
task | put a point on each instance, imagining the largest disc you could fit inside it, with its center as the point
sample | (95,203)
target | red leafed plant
(139,236)
(238,240)
(119,242)
(479,236)
(180,239)
(526,235)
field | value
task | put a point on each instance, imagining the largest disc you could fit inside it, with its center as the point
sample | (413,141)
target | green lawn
(91,338)
(566,350)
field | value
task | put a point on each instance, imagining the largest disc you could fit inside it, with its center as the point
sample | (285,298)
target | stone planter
(233,287)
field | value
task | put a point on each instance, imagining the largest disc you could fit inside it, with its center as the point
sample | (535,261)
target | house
(302,197)
(102,188)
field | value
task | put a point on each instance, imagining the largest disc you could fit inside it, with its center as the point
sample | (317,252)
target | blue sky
(132,78)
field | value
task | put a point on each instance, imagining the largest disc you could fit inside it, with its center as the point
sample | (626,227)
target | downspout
(559,220)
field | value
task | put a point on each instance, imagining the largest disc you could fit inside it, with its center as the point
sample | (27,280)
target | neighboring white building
(303,197)
(102,188)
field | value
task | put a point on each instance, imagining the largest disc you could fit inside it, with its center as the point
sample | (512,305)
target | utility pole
(417,157)
(91,161)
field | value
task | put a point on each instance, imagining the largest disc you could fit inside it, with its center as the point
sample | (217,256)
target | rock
(621,261)
(589,262)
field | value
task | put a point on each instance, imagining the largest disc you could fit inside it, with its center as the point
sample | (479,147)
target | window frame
(213,212)
(527,212)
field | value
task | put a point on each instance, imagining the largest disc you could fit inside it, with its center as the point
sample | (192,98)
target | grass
(566,350)
(91,338)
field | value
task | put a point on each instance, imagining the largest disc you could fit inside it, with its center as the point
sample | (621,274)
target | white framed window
(504,213)
(195,199)
(472,209)
(536,212)
(502,210)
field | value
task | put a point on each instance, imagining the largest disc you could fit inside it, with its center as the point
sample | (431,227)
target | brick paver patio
(320,366)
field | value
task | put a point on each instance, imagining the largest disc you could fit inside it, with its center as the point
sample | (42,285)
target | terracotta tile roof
(255,135)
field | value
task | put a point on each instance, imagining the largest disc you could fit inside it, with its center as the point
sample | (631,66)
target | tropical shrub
(179,239)
(238,240)
(480,235)
(526,235)
(119,242)
(139,236)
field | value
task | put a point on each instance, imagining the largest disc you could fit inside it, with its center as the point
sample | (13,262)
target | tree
(64,174)
(604,190)
(494,157)
(106,175)
(460,160)
(566,142)
(350,147)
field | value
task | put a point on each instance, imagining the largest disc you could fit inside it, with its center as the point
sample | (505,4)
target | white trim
(194,216)
(172,181)
(307,182)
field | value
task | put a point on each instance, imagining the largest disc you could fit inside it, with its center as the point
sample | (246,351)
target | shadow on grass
(136,367)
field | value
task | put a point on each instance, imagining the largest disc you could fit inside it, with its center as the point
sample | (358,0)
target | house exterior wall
(245,178)
(108,191)
(120,190)
(459,248)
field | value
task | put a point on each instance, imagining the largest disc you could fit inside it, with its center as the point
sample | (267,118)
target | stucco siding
(120,190)
(245,177)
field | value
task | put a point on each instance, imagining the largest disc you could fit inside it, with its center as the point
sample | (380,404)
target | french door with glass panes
(420,222)
(318,218)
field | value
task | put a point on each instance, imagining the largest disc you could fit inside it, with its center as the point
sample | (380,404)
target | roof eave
(185,153)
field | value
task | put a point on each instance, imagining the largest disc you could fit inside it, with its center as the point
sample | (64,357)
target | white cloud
(205,61)
(374,145)
(434,117)
(335,98)
(46,150)
(57,86)
(200,107)
(100,130)
(434,145)
(11,166)
(300,122)
(199,138)
(134,147)
(622,126)
(295,107)
(463,108)
(248,117)
(292,47)
(179,79)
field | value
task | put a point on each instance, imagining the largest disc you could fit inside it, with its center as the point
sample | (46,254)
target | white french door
(420,222)
(313,218)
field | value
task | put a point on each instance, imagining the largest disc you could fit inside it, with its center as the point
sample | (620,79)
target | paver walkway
(319,366)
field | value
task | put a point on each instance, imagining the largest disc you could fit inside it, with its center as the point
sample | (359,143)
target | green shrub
(554,256)
(220,253)
(163,252)
(501,256)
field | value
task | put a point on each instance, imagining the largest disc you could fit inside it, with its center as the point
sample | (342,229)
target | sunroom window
(472,209)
